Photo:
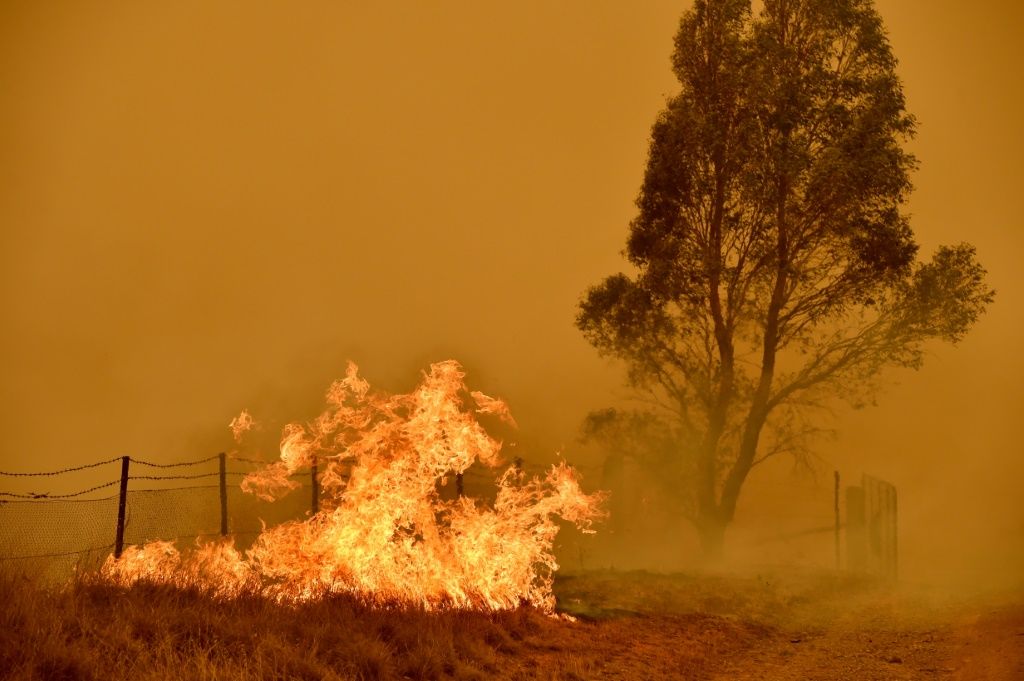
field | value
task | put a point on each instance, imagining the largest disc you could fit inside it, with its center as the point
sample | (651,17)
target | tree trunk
(712,537)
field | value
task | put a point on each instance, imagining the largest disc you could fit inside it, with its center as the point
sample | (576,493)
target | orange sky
(208,206)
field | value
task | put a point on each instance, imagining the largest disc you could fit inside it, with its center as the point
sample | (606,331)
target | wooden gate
(871,528)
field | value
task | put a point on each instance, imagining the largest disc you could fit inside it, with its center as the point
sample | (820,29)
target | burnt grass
(626,625)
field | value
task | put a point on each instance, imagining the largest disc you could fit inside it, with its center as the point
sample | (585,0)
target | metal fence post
(895,536)
(856,530)
(836,498)
(121,503)
(316,487)
(223,494)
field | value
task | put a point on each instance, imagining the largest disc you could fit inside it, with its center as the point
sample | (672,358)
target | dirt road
(808,626)
(886,641)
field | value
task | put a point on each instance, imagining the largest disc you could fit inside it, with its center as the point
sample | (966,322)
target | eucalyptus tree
(774,269)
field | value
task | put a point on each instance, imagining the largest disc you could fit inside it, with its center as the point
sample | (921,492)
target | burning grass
(158,631)
(384,534)
(769,624)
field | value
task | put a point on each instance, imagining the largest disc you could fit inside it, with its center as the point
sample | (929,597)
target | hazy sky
(207,206)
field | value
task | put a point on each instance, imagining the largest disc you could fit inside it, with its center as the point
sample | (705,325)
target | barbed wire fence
(50,533)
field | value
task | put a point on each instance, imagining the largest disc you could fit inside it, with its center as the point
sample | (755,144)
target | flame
(241,424)
(384,533)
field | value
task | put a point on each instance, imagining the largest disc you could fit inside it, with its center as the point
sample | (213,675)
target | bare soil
(970,641)
(824,626)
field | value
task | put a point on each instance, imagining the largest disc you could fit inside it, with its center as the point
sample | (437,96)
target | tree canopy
(774,267)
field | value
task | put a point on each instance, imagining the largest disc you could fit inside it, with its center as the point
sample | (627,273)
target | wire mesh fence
(51,534)
(54,533)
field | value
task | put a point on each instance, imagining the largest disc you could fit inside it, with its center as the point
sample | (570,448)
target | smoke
(194,231)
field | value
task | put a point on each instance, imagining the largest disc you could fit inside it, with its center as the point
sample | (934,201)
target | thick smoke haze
(213,206)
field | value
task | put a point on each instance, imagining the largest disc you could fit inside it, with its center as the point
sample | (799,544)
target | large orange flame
(384,532)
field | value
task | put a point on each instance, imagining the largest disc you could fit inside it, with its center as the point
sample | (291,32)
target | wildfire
(241,424)
(383,532)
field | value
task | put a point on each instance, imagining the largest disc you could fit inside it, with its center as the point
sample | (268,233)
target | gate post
(894,570)
(836,499)
(856,531)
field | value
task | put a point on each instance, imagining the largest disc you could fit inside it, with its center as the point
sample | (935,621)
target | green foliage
(774,266)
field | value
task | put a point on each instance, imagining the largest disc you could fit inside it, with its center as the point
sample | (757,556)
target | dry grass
(92,631)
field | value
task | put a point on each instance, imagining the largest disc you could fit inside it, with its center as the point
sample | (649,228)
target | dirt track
(807,626)
(886,642)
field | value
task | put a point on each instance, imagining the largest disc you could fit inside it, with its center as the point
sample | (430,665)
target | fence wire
(174,465)
(51,538)
(60,472)
(72,531)
(52,534)
(48,495)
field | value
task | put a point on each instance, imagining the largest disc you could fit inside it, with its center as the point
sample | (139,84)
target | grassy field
(767,624)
